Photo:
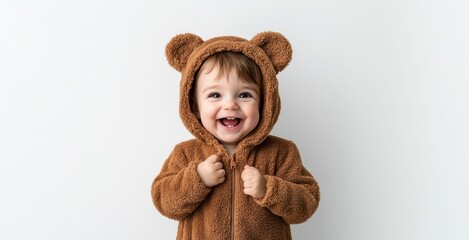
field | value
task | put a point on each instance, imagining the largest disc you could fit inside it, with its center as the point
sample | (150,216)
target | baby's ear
(277,48)
(180,48)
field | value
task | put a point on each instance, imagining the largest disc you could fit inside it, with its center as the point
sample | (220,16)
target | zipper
(233,185)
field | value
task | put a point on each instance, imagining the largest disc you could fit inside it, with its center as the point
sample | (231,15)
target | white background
(376,98)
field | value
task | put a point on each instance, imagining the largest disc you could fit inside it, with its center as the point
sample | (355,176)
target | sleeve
(178,190)
(292,193)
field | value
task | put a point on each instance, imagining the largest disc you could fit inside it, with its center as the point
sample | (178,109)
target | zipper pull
(232,164)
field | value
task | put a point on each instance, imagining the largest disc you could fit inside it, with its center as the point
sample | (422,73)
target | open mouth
(230,121)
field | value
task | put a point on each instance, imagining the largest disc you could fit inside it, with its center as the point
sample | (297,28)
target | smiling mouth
(230,121)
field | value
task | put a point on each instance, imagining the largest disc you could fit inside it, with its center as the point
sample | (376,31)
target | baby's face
(227,107)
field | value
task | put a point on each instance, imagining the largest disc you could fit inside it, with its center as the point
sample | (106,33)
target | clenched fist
(211,171)
(255,183)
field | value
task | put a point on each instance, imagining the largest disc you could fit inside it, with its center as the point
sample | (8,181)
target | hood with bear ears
(271,51)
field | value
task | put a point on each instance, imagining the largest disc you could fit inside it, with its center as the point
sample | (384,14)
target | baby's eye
(245,95)
(214,95)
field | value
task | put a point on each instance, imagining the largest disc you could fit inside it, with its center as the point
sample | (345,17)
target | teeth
(231,118)
(231,125)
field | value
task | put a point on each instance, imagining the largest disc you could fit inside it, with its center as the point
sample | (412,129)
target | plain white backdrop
(376,98)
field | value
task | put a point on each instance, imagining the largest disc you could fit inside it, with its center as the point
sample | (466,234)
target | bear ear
(276,46)
(180,48)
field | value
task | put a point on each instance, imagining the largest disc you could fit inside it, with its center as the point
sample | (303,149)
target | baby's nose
(231,104)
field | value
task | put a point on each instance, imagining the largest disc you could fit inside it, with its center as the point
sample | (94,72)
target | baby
(234,180)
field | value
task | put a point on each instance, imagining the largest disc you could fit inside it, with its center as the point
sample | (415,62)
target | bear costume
(224,211)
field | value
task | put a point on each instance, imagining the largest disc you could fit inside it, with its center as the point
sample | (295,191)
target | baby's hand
(255,183)
(211,171)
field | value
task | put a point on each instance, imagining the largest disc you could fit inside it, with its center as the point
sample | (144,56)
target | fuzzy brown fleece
(224,211)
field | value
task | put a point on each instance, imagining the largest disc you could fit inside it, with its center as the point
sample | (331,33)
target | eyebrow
(210,88)
(249,86)
(252,87)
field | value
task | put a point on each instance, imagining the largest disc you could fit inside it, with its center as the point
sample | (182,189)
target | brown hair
(245,67)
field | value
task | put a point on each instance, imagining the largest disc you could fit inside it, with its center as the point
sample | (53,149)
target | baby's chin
(229,142)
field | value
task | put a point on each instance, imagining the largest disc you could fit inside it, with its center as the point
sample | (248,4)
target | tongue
(227,122)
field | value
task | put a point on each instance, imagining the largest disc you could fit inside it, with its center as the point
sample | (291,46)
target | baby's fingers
(221,179)
(246,172)
(221,173)
(212,159)
(218,165)
(248,184)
